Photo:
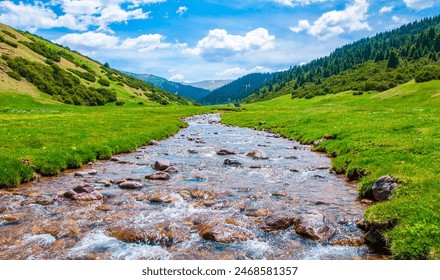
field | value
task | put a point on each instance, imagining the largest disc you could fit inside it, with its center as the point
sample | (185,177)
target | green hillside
(32,65)
(395,132)
(378,63)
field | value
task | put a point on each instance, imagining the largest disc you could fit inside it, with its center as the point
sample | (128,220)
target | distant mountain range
(210,84)
(195,93)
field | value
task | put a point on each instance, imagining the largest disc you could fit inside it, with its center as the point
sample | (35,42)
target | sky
(195,40)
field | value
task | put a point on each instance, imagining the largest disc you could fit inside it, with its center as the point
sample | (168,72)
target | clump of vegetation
(104,82)
(59,83)
(14,75)
(85,75)
(10,43)
(10,34)
(120,103)
(42,49)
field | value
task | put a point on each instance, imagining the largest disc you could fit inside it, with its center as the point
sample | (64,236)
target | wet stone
(277,222)
(115,159)
(232,162)
(159,176)
(80,174)
(221,232)
(162,165)
(84,193)
(131,185)
(225,152)
(383,187)
(257,212)
(193,152)
(257,154)
(161,198)
(104,208)
(154,143)
(2,208)
(314,225)
(171,169)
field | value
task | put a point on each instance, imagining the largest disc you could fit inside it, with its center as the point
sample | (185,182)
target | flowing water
(167,219)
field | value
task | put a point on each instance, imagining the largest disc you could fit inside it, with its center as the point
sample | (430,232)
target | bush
(14,75)
(85,75)
(358,93)
(104,82)
(12,44)
(120,103)
(9,34)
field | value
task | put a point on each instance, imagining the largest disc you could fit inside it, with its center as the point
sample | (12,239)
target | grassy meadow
(38,134)
(396,133)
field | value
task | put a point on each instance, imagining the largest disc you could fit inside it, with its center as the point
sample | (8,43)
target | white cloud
(419,5)
(399,20)
(293,3)
(145,43)
(352,18)
(177,77)
(386,9)
(76,14)
(238,71)
(220,44)
(182,10)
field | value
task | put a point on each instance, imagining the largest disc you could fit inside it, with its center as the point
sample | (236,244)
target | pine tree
(393,61)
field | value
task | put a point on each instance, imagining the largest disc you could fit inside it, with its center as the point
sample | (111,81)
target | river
(245,209)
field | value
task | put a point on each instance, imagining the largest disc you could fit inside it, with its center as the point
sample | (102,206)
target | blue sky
(194,40)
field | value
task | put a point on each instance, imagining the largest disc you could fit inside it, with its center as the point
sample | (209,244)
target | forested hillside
(371,64)
(176,88)
(237,89)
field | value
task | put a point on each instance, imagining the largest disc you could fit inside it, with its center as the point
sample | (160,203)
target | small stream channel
(247,209)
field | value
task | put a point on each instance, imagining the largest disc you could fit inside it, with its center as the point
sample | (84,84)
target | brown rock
(161,198)
(162,165)
(314,225)
(2,208)
(257,154)
(80,174)
(225,152)
(257,212)
(44,200)
(383,187)
(159,176)
(154,143)
(172,169)
(104,208)
(223,233)
(84,193)
(130,185)
(278,222)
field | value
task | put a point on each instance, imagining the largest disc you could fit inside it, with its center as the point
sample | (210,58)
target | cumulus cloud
(219,44)
(419,5)
(238,71)
(386,9)
(177,77)
(99,41)
(330,24)
(75,14)
(182,10)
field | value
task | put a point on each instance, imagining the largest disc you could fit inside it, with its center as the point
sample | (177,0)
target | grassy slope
(396,132)
(53,137)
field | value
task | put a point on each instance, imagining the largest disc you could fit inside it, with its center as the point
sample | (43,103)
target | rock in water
(225,152)
(233,162)
(83,192)
(130,185)
(383,187)
(162,165)
(154,143)
(277,222)
(314,225)
(159,175)
(223,233)
(172,169)
(257,154)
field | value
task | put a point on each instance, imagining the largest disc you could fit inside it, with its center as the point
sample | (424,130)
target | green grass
(49,138)
(395,133)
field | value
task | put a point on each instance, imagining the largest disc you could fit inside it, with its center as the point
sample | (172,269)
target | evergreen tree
(393,61)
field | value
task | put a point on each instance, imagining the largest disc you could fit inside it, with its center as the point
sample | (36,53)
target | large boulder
(314,225)
(221,232)
(383,187)
(83,192)
(159,176)
(257,154)
(162,165)
(225,152)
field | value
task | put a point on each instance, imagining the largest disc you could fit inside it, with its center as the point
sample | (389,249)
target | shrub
(104,82)
(358,93)
(43,50)
(120,103)
(14,75)
(9,34)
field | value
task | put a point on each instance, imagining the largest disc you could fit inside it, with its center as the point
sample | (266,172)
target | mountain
(372,64)
(210,84)
(31,64)
(238,89)
(188,91)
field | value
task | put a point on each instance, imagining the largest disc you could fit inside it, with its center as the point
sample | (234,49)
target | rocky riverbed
(209,192)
